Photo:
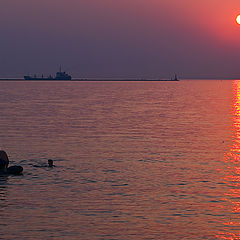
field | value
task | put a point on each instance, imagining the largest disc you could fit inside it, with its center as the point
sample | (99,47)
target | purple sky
(120,38)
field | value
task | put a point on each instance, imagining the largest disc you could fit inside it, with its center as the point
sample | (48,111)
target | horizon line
(118,79)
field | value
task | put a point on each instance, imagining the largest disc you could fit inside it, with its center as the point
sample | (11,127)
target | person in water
(50,163)
(4,161)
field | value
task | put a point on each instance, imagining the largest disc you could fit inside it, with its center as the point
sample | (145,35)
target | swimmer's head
(50,162)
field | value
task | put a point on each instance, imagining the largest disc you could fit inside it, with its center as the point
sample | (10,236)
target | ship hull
(45,79)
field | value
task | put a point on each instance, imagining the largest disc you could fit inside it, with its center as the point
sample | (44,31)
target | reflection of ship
(59,76)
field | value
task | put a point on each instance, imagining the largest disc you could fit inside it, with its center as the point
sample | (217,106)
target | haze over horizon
(127,38)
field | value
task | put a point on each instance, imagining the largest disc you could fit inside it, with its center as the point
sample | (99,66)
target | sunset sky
(120,38)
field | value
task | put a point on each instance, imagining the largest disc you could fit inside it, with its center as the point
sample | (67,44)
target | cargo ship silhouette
(59,76)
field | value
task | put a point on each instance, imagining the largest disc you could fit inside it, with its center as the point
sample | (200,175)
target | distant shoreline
(91,80)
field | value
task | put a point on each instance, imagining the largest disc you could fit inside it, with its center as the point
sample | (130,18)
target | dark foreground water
(133,160)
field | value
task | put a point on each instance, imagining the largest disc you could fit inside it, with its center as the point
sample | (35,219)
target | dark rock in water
(4,161)
(15,170)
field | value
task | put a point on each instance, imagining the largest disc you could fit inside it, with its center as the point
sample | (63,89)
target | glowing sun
(238,19)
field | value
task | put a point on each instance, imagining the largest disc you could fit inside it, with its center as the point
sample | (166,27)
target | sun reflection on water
(231,229)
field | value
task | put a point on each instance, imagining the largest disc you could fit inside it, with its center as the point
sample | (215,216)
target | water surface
(134,160)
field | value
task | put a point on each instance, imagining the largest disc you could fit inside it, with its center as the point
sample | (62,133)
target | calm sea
(134,160)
